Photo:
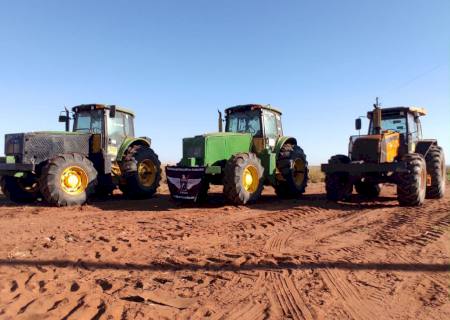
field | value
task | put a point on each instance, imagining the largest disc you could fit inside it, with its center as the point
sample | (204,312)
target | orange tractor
(393,151)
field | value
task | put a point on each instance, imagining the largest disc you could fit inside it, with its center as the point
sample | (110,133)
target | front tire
(142,172)
(243,178)
(68,180)
(20,190)
(436,169)
(338,185)
(293,167)
(412,185)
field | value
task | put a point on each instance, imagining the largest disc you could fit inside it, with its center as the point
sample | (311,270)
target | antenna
(377,103)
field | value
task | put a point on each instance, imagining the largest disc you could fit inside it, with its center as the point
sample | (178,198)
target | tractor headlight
(13,144)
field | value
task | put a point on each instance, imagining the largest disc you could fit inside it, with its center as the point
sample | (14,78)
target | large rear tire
(68,180)
(437,170)
(293,167)
(20,190)
(338,185)
(141,170)
(412,185)
(243,178)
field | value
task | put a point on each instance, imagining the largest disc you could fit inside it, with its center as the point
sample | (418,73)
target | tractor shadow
(216,200)
(276,266)
(267,202)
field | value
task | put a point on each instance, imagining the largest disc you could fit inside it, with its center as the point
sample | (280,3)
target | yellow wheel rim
(250,179)
(147,173)
(299,172)
(74,180)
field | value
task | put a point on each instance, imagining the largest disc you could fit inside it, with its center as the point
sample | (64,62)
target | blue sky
(176,62)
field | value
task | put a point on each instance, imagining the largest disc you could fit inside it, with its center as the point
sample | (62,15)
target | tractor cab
(113,123)
(262,122)
(404,121)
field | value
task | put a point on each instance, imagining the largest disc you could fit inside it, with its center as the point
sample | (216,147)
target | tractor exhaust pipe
(377,117)
(220,121)
(67,120)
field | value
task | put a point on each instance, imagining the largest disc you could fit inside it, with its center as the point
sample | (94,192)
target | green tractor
(251,153)
(66,168)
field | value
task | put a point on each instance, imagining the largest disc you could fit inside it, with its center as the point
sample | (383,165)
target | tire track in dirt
(349,295)
(201,251)
(285,297)
(421,226)
(243,306)
(282,291)
(289,298)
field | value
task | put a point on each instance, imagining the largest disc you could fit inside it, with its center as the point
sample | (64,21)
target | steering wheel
(252,130)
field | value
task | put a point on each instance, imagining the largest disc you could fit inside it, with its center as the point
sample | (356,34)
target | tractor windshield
(89,121)
(245,122)
(391,123)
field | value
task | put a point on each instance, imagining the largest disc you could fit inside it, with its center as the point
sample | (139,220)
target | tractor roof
(416,110)
(97,106)
(248,107)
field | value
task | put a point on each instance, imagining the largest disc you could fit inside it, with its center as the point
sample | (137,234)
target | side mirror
(112,111)
(65,118)
(358,124)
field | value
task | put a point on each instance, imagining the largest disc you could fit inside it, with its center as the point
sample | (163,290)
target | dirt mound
(277,259)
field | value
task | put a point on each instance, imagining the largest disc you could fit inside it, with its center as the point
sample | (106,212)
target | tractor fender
(423,146)
(128,142)
(282,141)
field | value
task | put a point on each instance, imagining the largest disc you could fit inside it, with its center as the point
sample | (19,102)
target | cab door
(414,132)
(272,129)
(115,133)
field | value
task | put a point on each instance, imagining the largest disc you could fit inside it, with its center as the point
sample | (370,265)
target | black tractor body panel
(36,147)
(367,149)
(358,168)
(423,146)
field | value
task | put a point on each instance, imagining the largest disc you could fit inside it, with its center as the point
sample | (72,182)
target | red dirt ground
(277,259)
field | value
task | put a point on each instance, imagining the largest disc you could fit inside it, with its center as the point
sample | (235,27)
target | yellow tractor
(393,151)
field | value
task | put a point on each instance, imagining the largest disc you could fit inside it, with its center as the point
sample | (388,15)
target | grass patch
(315,174)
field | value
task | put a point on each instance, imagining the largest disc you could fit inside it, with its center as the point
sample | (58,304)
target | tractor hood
(213,148)
(377,148)
(35,147)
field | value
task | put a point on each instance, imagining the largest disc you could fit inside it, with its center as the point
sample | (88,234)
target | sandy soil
(299,259)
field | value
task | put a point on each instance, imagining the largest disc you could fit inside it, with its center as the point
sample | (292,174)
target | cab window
(395,123)
(116,128)
(89,121)
(413,128)
(245,122)
(272,125)
(129,125)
